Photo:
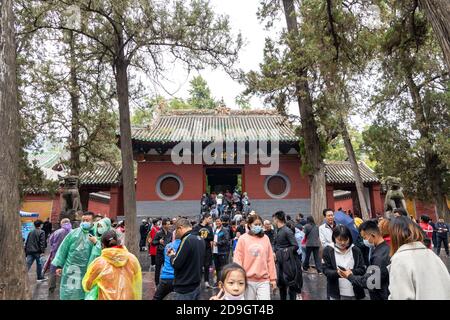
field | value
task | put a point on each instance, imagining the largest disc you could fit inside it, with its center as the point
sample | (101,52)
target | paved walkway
(314,285)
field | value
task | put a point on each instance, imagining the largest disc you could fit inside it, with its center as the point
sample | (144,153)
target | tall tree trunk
(434,174)
(313,150)
(438,15)
(74,91)
(355,169)
(129,196)
(433,166)
(14,278)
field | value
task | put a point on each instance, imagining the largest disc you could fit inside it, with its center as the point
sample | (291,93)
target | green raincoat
(105,223)
(73,256)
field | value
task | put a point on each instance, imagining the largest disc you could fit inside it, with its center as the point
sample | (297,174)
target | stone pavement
(314,285)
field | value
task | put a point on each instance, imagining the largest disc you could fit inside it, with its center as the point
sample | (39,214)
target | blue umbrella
(342,218)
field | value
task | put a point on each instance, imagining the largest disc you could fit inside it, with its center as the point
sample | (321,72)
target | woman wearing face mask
(254,253)
(117,272)
(99,229)
(342,255)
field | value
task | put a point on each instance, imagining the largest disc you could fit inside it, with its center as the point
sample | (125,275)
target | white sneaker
(207,285)
(299,296)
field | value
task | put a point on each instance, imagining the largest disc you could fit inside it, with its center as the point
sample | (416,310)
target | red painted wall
(345,204)
(254,181)
(193,176)
(149,172)
(427,209)
(99,207)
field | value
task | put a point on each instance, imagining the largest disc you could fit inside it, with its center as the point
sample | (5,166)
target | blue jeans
(30,260)
(194,295)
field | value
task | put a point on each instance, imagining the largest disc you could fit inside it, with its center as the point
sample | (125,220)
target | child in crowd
(232,284)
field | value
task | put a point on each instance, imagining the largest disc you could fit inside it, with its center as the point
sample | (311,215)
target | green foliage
(200,94)
(410,136)
(199,98)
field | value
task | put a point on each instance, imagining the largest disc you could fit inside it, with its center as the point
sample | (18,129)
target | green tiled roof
(101,174)
(47,159)
(341,172)
(231,125)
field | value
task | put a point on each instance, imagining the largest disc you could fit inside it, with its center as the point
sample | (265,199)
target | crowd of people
(248,258)
(234,205)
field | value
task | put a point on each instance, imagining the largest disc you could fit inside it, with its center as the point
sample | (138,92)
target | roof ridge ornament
(223,110)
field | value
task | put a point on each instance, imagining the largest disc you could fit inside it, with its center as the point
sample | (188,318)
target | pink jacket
(255,255)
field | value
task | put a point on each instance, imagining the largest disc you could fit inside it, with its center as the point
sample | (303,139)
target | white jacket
(325,235)
(417,273)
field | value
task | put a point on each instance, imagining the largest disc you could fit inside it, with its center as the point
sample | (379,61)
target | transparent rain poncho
(116,274)
(105,225)
(73,256)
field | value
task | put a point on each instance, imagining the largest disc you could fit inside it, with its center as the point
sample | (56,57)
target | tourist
(116,273)
(220,205)
(153,248)
(300,238)
(120,230)
(71,259)
(205,231)
(383,225)
(99,229)
(238,217)
(97,218)
(326,229)
(300,221)
(342,255)
(35,247)
(400,212)
(441,236)
(357,220)
(232,284)
(427,229)
(204,204)
(254,253)
(143,232)
(165,285)
(47,228)
(287,258)
(214,212)
(415,273)
(245,204)
(221,247)
(187,262)
(269,232)
(55,241)
(161,239)
(312,244)
(379,258)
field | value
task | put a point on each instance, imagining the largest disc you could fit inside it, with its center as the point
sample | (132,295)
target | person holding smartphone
(342,255)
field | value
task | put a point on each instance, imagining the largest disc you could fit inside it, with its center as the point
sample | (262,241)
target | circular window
(277,186)
(169,187)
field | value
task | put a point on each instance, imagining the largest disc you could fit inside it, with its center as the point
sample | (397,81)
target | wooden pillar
(330,197)
(375,200)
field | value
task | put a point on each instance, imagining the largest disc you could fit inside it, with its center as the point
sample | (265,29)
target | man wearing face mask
(55,240)
(286,248)
(72,259)
(99,229)
(376,279)
(187,262)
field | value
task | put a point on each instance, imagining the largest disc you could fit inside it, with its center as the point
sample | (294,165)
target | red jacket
(427,229)
(152,248)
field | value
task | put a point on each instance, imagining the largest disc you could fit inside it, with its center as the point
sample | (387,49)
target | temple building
(167,188)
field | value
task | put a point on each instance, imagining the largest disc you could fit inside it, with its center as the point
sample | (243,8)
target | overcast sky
(242,14)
